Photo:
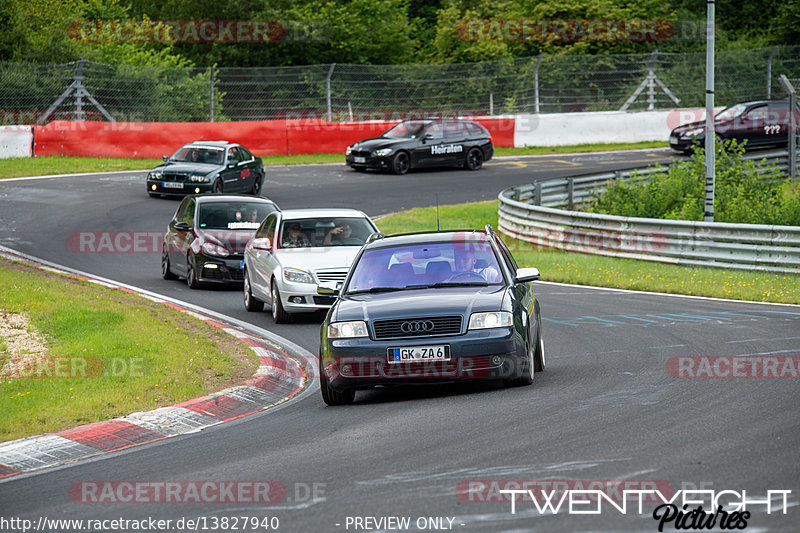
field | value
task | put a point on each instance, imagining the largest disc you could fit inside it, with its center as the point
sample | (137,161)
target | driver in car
(467,262)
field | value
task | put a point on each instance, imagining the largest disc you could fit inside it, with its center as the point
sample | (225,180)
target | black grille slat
(174,177)
(442,325)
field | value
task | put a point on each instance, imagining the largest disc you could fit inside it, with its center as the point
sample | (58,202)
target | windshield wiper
(376,289)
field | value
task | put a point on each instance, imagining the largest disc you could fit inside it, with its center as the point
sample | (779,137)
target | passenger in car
(294,237)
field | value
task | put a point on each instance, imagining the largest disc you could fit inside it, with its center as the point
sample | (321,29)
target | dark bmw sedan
(758,123)
(207,166)
(429,308)
(424,144)
(206,238)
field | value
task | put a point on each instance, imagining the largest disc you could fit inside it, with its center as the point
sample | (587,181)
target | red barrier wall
(265,137)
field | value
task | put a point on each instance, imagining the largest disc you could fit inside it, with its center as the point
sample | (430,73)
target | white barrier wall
(16,141)
(564,129)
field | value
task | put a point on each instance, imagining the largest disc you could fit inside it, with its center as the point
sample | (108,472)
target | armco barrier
(738,246)
(16,141)
(266,137)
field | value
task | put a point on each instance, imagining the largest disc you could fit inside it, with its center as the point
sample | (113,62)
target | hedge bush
(742,194)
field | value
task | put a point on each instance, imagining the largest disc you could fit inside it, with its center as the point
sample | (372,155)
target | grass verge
(110,353)
(588,269)
(16,167)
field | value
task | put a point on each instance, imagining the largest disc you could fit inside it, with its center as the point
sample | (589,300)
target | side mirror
(526,274)
(182,226)
(427,136)
(232,164)
(261,244)
(329,288)
(164,157)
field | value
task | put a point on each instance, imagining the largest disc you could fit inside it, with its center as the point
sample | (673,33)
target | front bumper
(362,363)
(219,270)
(187,187)
(302,297)
(681,144)
(369,162)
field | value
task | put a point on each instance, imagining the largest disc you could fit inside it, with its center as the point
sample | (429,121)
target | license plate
(419,353)
(357,159)
(241,265)
(173,185)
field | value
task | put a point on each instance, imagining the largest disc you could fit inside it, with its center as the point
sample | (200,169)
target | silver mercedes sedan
(293,251)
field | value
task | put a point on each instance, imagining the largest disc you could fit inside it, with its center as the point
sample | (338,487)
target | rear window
(476,130)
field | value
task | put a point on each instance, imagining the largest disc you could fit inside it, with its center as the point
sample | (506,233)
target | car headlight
(492,319)
(347,330)
(349,149)
(693,133)
(296,275)
(154,176)
(382,152)
(215,249)
(199,179)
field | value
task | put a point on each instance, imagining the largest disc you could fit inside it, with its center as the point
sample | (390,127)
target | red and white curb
(280,377)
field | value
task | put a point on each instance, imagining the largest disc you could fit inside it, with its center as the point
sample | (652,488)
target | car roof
(212,144)
(211,198)
(424,237)
(291,214)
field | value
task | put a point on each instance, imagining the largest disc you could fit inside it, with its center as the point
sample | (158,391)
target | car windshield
(432,265)
(197,154)
(233,215)
(731,112)
(406,130)
(316,232)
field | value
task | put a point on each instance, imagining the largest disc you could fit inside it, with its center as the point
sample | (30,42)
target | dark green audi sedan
(207,166)
(429,308)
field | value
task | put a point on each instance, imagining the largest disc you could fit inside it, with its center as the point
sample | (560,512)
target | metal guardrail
(528,212)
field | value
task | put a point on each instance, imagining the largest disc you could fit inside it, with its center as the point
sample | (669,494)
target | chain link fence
(83,90)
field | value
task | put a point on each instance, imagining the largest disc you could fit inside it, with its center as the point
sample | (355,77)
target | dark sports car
(427,308)
(759,123)
(423,144)
(207,166)
(206,238)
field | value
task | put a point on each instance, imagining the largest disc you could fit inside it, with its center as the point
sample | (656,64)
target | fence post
(769,72)
(537,193)
(328,88)
(491,104)
(211,103)
(536,84)
(570,192)
(792,134)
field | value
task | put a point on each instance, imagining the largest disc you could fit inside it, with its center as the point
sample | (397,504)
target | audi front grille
(417,327)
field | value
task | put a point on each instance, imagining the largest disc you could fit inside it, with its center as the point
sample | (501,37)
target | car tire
(251,303)
(474,160)
(166,270)
(217,187)
(279,314)
(539,363)
(332,397)
(256,189)
(401,163)
(191,275)
(527,375)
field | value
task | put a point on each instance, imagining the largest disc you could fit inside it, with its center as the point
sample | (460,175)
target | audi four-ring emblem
(417,326)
